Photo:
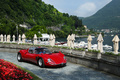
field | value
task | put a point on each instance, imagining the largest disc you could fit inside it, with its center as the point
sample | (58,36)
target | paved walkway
(70,72)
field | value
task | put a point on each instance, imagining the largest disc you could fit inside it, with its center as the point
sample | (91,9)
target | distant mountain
(107,17)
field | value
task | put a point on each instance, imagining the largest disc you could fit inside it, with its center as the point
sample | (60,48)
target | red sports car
(42,56)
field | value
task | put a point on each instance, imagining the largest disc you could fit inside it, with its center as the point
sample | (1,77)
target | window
(30,51)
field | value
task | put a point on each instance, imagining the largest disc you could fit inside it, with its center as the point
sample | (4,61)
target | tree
(38,30)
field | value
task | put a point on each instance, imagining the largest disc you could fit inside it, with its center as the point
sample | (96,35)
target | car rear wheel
(41,62)
(19,57)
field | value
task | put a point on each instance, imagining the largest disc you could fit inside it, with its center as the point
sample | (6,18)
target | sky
(80,8)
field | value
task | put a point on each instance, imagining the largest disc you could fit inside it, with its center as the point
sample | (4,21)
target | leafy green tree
(37,15)
(38,30)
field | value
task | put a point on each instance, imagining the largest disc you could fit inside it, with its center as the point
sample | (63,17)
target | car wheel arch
(19,53)
(37,58)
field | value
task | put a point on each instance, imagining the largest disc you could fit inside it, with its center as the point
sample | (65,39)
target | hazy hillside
(32,13)
(107,17)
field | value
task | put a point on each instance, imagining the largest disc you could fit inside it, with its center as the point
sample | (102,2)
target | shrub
(80,49)
(94,51)
(111,53)
(9,71)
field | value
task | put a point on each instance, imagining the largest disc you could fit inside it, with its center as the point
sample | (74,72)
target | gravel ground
(69,72)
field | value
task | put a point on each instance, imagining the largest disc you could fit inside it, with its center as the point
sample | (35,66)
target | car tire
(19,57)
(41,63)
(64,65)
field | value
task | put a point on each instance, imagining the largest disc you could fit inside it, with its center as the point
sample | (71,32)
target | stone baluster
(53,41)
(89,41)
(13,38)
(4,38)
(19,38)
(100,42)
(35,39)
(8,38)
(50,40)
(1,37)
(23,38)
(116,44)
(72,39)
(68,41)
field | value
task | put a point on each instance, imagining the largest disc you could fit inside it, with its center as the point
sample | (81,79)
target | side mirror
(26,52)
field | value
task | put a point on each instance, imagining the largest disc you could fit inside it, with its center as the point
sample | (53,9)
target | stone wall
(99,64)
(107,63)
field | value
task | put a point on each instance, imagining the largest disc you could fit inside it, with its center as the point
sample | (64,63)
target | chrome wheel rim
(40,62)
(19,57)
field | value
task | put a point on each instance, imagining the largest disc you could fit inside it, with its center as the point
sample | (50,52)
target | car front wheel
(19,57)
(41,62)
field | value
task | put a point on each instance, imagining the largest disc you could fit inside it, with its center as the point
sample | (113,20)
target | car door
(27,55)
(32,56)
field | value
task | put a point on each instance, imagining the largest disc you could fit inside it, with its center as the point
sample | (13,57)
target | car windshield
(43,50)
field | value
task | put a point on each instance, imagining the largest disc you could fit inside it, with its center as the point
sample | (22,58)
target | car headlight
(49,60)
(64,57)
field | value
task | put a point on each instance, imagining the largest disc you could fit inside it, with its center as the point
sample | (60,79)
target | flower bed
(8,71)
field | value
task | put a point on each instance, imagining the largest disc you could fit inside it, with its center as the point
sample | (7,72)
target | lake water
(107,40)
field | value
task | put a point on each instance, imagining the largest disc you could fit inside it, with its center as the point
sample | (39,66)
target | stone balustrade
(70,41)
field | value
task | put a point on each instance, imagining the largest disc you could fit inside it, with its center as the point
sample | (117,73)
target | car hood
(56,57)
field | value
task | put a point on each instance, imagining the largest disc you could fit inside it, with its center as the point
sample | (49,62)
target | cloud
(81,8)
(86,9)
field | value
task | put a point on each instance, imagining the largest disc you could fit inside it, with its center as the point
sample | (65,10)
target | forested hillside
(107,17)
(34,13)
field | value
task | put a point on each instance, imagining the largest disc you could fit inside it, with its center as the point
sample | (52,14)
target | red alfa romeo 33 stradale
(42,56)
